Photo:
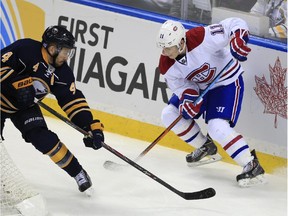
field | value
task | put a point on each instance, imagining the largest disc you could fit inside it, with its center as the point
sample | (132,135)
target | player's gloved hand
(95,129)
(238,44)
(25,91)
(187,107)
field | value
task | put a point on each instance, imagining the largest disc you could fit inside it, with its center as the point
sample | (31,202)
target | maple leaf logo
(274,96)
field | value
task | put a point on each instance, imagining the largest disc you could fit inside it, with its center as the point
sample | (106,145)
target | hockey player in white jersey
(189,63)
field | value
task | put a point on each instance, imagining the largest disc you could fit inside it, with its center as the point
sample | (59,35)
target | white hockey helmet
(170,34)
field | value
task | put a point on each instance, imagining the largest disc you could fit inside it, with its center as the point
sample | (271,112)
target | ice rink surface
(129,192)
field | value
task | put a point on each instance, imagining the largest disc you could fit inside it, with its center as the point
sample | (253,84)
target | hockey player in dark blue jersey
(32,69)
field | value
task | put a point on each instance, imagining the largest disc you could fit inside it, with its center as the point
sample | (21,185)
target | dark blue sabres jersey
(27,57)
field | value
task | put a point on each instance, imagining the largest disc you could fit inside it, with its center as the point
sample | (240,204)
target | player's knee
(169,114)
(218,129)
(42,139)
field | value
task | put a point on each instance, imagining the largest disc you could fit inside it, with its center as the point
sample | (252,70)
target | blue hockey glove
(95,129)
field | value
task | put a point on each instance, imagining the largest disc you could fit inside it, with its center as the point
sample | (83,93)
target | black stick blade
(203,194)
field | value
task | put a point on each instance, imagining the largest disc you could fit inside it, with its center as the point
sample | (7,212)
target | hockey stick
(202,194)
(112,165)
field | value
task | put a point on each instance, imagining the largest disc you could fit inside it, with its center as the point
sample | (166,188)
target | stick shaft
(159,137)
(63,118)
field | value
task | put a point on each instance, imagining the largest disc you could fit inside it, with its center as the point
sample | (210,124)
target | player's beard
(59,63)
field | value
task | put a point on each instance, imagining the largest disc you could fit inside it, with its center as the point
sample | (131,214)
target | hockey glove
(238,44)
(186,107)
(95,129)
(25,91)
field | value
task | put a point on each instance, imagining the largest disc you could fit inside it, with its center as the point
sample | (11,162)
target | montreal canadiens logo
(202,74)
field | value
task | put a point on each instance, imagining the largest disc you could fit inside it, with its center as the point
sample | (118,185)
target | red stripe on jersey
(232,142)
(194,37)
(190,93)
(165,63)
(231,69)
(187,130)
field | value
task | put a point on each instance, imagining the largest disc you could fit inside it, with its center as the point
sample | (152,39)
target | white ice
(129,192)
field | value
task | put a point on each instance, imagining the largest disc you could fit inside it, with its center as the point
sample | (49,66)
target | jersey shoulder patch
(165,63)
(194,37)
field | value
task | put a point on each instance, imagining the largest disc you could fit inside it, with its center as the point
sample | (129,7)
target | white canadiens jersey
(207,54)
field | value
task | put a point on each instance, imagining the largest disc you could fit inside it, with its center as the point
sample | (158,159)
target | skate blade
(258,180)
(207,160)
(89,192)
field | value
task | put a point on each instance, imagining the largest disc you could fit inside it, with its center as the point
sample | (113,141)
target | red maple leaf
(273,96)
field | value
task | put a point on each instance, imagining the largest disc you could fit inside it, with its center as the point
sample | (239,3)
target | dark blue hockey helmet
(58,35)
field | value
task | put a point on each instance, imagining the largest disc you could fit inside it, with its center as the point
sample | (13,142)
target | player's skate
(207,149)
(252,174)
(84,182)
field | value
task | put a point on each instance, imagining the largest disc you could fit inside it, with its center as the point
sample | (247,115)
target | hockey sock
(232,142)
(186,129)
